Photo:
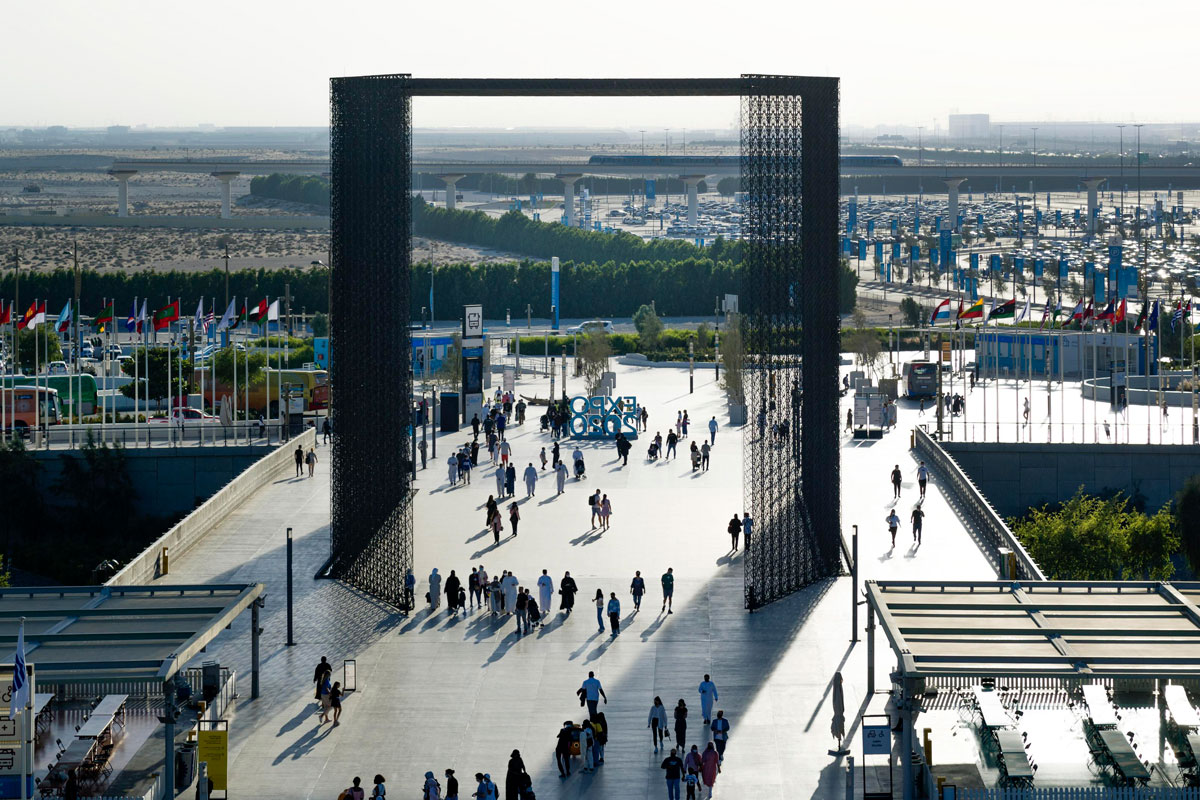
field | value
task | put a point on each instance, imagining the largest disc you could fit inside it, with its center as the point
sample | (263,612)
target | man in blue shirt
(712,429)
(614,613)
(720,733)
(592,691)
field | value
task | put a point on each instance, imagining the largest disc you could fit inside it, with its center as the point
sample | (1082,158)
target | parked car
(57,368)
(189,415)
(604,325)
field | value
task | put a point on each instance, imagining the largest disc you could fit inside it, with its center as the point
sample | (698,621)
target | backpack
(591,499)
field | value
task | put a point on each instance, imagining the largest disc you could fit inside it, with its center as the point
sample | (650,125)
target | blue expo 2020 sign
(604,417)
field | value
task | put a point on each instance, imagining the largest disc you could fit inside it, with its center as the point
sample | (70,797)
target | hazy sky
(267,62)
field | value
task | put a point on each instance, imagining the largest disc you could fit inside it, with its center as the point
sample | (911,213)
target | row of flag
(35,315)
(1082,315)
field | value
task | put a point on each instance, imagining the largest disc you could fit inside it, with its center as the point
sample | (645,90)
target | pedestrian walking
(451,785)
(554,459)
(410,590)
(435,589)
(594,502)
(514,516)
(542,456)
(567,590)
(494,594)
(673,766)
(353,792)
(514,777)
(545,586)
(472,587)
(922,477)
(485,789)
(499,481)
(708,694)
(605,512)
(678,424)
(672,440)
(299,456)
(532,610)
(1025,412)
(637,588)
(657,723)
(720,733)
(692,761)
(683,428)
(475,425)
(680,724)
(562,748)
(505,452)
(587,746)
(712,430)
(423,447)
(712,765)
(917,518)
(335,701)
(497,527)
(467,463)
(599,601)
(522,611)
(668,590)
(510,480)
(531,479)
(600,728)
(324,670)
(560,475)
(893,523)
(326,429)
(735,531)
(704,451)
(452,470)
(645,417)
(380,789)
(511,585)
(747,526)
(921,410)
(691,784)
(591,691)
(896,478)
(323,691)
(614,613)
(452,587)
(849,420)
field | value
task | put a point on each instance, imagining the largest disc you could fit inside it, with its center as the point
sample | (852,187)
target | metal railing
(988,525)
(154,434)
(1083,793)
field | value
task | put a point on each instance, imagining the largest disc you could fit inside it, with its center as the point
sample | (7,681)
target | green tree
(48,349)
(914,313)
(594,352)
(704,337)
(250,366)
(19,494)
(154,376)
(449,375)
(320,324)
(1152,542)
(649,327)
(733,354)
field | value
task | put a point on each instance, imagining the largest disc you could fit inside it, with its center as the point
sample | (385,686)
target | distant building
(970,128)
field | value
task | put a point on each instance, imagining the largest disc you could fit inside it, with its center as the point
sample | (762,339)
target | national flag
(273,312)
(39,318)
(1006,310)
(974,311)
(20,679)
(142,317)
(1178,315)
(198,320)
(941,313)
(64,318)
(5,313)
(1023,315)
(958,315)
(131,323)
(106,315)
(1046,312)
(1152,326)
(166,315)
(1141,318)
(227,319)
(1107,314)
(241,317)
(258,314)
(1119,314)
(28,316)
(1087,315)
(1077,314)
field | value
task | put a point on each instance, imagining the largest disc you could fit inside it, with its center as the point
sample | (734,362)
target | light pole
(227,274)
(1138,214)
(920,147)
(1121,148)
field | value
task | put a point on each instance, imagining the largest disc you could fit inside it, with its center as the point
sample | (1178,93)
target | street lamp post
(227,274)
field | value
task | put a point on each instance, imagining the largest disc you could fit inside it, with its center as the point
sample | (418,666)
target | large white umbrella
(838,727)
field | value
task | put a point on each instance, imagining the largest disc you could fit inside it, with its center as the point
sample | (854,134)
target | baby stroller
(579,468)
(545,422)
(652,451)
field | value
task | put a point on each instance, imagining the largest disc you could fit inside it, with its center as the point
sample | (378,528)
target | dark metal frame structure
(790,172)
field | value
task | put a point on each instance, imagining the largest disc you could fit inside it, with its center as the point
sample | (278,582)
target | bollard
(928,746)
(164,560)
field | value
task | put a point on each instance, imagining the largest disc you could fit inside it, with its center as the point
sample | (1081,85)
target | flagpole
(37,387)
(137,432)
(233,352)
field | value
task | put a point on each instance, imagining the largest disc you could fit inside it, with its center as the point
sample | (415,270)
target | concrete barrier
(191,529)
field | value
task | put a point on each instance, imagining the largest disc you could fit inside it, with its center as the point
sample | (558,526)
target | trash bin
(185,765)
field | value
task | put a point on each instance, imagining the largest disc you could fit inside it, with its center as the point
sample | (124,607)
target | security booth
(96,651)
(1041,668)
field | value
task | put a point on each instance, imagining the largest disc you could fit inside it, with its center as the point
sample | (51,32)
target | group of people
(328,693)
(917,516)
(518,785)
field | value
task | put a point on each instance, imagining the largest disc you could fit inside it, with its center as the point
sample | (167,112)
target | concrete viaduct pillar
(952,185)
(693,199)
(226,192)
(1093,190)
(451,180)
(569,196)
(122,176)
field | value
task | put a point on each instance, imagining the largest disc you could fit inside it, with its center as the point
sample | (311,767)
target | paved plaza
(436,691)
